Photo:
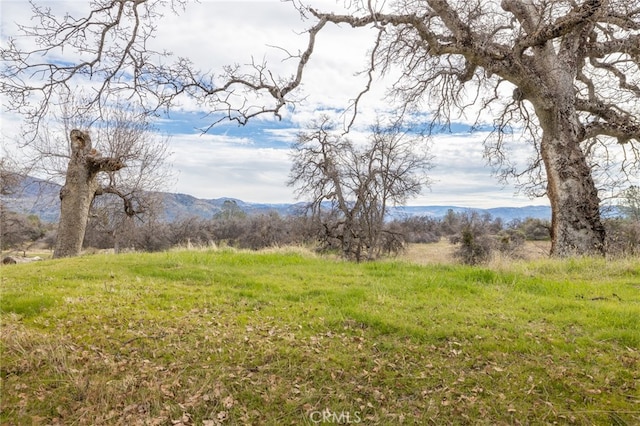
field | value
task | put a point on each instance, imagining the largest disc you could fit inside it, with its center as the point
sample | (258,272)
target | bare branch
(609,122)
(560,27)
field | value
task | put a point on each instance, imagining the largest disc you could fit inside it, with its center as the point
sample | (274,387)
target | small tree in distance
(350,187)
(630,203)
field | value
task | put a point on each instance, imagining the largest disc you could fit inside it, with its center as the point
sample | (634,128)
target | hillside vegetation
(285,337)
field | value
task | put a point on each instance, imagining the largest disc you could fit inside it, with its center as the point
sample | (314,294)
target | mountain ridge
(41,198)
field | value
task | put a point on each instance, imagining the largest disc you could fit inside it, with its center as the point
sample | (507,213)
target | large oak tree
(571,69)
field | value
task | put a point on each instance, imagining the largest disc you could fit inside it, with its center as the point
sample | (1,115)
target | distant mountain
(37,197)
(41,198)
(182,206)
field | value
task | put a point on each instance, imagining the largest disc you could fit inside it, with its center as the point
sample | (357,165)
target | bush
(18,230)
(510,241)
(475,243)
(474,247)
(533,229)
(418,230)
(623,237)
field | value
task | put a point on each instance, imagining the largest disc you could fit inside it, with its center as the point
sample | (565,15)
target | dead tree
(80,188)
(350,187)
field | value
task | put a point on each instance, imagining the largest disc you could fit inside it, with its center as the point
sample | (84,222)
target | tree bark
(576,227)
(78,192)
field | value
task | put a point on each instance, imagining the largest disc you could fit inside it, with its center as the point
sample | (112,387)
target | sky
(252,163)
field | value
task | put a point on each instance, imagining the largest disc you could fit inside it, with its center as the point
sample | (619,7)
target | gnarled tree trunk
(78,192)
(576,227)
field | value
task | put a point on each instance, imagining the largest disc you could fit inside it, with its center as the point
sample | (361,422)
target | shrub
(474,240)
(418,230)
(532,228)
(510,241)
(623,237)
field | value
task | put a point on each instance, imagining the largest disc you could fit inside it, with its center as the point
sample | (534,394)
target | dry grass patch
(442,253)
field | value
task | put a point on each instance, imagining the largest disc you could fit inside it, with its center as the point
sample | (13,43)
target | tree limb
(609,122)
(561,26)
(128,200)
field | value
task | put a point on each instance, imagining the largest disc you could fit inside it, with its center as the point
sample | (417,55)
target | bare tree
(121,158)
(350,187)
(630,203)
(77,194)
(132,167)
(564,70)
(10,177)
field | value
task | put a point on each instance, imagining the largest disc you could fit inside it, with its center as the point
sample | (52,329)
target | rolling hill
(40,198)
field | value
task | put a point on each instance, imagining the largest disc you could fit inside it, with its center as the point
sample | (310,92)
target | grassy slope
(208,337)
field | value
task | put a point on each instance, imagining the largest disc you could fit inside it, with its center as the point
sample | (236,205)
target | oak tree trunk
(78,193)
(576,227)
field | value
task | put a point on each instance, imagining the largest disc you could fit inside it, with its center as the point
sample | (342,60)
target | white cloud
(213,167)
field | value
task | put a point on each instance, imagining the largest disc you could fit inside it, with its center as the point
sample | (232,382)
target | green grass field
(284,337)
